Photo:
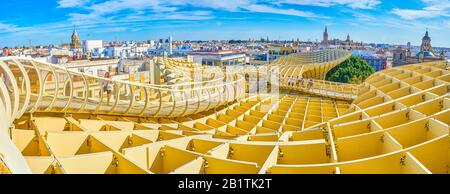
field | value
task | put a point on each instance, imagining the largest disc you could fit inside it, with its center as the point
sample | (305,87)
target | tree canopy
(353,70)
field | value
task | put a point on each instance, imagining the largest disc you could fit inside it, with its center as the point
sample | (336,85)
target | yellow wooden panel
(250,153)
(307,135)
(202,146)
(169,158)
(308,153)
(434,155)
(364,146)
(97,163)
(224,166)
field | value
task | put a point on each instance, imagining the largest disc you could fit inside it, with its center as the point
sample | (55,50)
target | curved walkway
(313,66)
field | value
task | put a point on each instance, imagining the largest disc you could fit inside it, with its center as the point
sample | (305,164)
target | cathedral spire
(426,44)
(75,44)
(325,42)
(74,32)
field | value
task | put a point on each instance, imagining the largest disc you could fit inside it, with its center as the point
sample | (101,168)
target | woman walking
(107,87)
(310,84)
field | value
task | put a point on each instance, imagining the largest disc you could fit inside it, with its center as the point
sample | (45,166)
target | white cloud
(356,4)
(432,9)
(229,5)
(4,27)
(246,5)
(71,3)
(110,12)
(113,10)
(268,9)
(410,14)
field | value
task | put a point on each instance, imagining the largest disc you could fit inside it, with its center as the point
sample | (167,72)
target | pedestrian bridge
(323,88)
(312,68)
(56,122)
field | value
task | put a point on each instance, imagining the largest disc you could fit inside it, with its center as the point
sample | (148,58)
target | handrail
(68,96)
(327,60)
(47,87)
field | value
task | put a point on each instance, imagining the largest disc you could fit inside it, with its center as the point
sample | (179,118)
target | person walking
(289,81)
(6,80)
(107,87)
(310,84)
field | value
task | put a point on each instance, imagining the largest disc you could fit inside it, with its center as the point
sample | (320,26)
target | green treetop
(353,70)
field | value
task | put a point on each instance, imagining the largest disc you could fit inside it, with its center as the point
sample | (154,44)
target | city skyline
(371,21)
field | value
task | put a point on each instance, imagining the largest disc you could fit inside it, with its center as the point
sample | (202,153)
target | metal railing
(44,87)
(298,69)
(30,86)
(322,88)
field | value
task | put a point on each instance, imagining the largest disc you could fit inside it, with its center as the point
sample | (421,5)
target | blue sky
(379,21)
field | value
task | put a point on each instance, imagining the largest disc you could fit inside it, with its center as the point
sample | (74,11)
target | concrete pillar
(155,73)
